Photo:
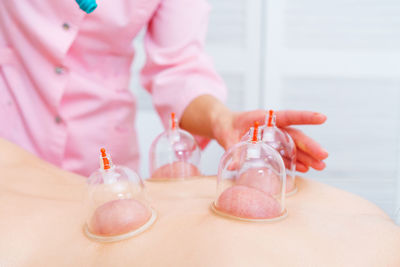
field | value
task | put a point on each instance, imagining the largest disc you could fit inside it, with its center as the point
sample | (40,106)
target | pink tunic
(64,74)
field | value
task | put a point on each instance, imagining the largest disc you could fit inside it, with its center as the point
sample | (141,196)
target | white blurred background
(341,58)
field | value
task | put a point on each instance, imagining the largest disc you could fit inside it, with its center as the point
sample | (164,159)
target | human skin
(290,184)
(209,117)
(118,217)
(42,219)
(248,203)
(265,180)
(262,179)
(176,170)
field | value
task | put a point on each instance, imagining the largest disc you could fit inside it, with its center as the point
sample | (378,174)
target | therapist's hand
(209,117)
(232,126)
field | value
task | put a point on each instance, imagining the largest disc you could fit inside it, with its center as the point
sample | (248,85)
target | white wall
(342,58)
(339,57)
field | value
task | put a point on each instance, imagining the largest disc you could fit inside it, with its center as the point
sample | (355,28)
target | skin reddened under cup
(174,154)
(175,170)
(116,203)
(248,203)
(256,178)
(281,141)
(119,217)
(256,188)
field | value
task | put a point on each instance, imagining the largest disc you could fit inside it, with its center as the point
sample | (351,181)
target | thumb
(228,140)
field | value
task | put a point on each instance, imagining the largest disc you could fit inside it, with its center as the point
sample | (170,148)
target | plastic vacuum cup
(174,154)
(251,182)
(116,203)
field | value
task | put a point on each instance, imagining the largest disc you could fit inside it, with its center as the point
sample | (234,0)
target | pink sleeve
(177,69)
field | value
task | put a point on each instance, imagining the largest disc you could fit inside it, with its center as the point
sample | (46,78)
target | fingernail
(321,165)
(320,116)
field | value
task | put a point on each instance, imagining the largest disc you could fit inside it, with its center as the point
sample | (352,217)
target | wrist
(221,119)
(204,116)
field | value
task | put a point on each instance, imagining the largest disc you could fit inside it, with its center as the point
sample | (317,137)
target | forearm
(203,114)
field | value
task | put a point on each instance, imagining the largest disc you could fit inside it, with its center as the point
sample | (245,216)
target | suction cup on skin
(174,154)
(283,143)
(116,203)
(251,182)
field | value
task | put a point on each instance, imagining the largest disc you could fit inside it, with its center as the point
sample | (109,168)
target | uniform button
(66,26)
(58,119)
(59,70)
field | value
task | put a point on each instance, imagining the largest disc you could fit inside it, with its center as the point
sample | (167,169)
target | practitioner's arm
(209,117)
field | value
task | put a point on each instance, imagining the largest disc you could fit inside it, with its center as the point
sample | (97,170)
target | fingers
(229,139)
(296,117)
(307,145)
(251,116)
(235,163)
(301,167)
(309,152)
(306,160)
(245,120)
